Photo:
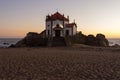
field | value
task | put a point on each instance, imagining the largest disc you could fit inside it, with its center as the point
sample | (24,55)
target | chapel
(57,25)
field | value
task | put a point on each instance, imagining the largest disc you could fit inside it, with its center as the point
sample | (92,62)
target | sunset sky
(18,17)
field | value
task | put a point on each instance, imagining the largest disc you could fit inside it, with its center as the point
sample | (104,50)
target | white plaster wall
(57,22)
(74,30)
(66,22)
(61,33)
(48,27)
(48,23)
(70,31)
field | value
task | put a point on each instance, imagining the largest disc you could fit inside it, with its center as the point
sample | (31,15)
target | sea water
(114,41)
(6,42)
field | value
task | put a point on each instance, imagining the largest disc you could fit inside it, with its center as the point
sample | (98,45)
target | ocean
(114,41)
(6,42)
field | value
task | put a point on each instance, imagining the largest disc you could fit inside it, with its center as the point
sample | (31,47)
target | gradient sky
(17,17)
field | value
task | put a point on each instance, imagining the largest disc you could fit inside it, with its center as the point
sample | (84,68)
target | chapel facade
(57,25)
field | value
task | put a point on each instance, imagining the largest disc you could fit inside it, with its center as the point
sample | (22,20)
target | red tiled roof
(56,16)
(70,25)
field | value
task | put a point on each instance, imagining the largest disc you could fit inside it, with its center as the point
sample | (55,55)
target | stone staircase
(57,41)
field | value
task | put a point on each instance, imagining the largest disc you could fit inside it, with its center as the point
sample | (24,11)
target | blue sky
(17,17)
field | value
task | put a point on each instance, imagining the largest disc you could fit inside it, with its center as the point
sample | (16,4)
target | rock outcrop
(102,41)
(91,40)
(32,40)
(99,40)
(36,40)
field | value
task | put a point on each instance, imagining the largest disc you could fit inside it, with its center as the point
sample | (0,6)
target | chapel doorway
(67,32)
(57,33)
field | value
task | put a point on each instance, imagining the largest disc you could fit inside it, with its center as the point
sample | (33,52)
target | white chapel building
(57,25)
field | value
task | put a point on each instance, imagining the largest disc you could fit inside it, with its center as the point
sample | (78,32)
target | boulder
(98,40)
(80,38)
(102,41)
(116,45)
(91,40)
(32,39)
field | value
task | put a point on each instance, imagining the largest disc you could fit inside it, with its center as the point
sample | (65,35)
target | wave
(6,42)
(114,42)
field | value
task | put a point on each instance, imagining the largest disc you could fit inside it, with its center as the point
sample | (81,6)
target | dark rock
(6,43)
(12,46)
(43,34)
(91,40)
(101,36)
(116,45)
(79,38)
(102,41)
(32,40)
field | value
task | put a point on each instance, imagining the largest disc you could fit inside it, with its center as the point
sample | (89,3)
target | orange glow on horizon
(92,16)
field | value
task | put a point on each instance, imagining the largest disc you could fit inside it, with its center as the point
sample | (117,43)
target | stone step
(57,41)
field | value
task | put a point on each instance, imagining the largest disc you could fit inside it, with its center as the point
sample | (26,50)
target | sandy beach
(79,62)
